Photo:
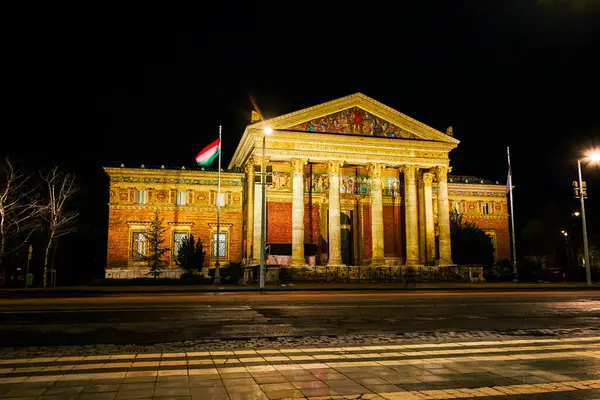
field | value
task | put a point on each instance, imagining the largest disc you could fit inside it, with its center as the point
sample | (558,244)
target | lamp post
(263,230)
(566,235)
(594,157)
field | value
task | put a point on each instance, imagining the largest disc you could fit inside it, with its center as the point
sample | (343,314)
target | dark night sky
(93,86)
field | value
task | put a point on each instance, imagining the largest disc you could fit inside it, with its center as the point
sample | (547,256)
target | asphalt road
(158,319)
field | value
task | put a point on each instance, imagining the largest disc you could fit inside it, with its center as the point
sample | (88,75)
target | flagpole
(217,280)
(512,218)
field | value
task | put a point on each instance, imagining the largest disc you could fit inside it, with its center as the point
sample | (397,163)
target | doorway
(346,232)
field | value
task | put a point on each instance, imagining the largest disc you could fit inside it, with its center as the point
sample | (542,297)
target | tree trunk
(47,258)
(2,247)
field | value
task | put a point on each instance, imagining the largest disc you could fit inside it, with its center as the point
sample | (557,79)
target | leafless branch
(19,209)
(61,221)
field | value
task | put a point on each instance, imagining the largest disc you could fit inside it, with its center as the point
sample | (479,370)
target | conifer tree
(156,249)
(191,255)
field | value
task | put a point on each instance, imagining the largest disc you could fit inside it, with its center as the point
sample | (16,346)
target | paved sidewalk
(565,367)
(77,291)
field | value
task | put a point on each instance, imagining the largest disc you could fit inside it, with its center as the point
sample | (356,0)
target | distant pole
(27,268)
(512,218)
(263,219)
(586,251)
(217,280)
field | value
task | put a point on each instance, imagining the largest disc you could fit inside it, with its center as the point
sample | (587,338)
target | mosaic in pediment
(354,121)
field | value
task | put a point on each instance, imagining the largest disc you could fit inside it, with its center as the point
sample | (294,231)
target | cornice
(474,217)
(475,192)
(476,186)
(171,172)
(169,207)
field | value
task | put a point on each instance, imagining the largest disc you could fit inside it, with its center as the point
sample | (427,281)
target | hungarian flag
(509,180)
(209,153)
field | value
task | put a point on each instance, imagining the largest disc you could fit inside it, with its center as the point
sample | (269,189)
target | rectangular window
(457,207)
(222,244)
(177,239)
(181,198)
(485,208)
(140,197)
(139,244)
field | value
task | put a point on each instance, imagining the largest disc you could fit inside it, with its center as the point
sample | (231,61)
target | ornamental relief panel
(355,121)
(202,198)
(281,181)
(160,197)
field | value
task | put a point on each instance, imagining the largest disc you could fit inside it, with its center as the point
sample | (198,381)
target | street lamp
(263,181)
(592,157)
(566,235)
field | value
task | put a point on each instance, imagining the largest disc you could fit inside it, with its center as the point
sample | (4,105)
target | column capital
(298,164)
(333,167)
(375,169)
(249,168)
(441,173)
(409,171)
(427,178)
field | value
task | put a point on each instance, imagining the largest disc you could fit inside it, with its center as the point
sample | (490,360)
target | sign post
(27,269)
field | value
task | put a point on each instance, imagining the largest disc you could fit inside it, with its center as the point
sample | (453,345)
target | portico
(354,182)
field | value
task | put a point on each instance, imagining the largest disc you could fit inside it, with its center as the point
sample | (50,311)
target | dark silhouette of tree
(191,255)
(470,244)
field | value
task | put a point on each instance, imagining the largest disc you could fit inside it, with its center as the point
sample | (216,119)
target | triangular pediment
(356,114)
(353,121)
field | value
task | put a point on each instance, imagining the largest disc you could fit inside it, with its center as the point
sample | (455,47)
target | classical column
(249,207)
(443,215)
(377,241)
(422,231)
(298,211)
(429,228)
(257,216)
(335,230)
(411,217)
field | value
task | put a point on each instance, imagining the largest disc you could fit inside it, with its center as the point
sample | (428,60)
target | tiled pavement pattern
(563,367)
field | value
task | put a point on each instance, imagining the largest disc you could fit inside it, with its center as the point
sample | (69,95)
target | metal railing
(370,274)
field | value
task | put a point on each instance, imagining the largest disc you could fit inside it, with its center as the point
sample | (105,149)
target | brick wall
(311,223)
(279,228)
(120,220)
(392,230)
(279,225)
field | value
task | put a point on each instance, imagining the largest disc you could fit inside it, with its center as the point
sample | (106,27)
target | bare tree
(18,208)
(60,220)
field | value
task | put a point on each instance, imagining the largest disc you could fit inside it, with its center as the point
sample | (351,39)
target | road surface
(149,319)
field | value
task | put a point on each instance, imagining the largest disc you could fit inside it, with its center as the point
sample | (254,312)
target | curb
(278,290)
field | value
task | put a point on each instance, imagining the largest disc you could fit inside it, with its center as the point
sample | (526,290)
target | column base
(335,263)
(378,262)
(292,265)
(442,263)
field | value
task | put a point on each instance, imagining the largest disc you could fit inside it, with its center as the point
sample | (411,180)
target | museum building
(352,182)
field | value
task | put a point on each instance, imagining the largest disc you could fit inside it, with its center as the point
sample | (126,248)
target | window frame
(485,208)
(137,255)
(226,229)
(175,232)
(225,246)
(139,193)
(181,194)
